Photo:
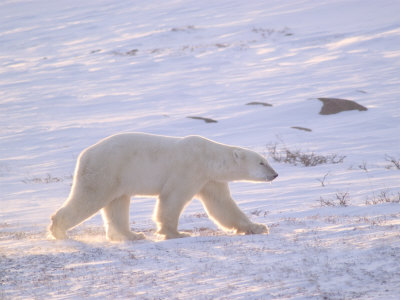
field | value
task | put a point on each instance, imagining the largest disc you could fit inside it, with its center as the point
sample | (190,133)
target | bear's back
(138,140)
(128,147)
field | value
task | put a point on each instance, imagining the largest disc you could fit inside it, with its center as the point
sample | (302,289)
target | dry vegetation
(297,157)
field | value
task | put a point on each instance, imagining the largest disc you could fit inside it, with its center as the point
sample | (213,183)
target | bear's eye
(261,163)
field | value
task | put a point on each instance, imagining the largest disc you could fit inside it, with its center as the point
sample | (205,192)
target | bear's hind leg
(78,207)
(223,210)
(56,228)
(67,217)
(168,209)
(116,220)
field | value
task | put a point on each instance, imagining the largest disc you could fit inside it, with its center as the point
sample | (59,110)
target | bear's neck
(220,163)
(225,170)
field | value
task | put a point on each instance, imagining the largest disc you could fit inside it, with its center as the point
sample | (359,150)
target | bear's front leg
(223,210)
(253,228)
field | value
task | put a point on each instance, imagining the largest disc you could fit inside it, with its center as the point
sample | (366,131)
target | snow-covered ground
(73,72)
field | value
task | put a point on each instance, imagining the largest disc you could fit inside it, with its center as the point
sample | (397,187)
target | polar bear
(175,169)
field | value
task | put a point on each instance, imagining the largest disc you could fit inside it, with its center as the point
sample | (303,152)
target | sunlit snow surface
(73,72)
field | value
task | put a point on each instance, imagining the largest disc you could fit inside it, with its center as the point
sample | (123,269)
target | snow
(73,72)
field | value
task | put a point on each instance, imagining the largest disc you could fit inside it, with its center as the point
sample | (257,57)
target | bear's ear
(237,155)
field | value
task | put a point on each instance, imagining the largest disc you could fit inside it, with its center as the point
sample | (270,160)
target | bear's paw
(255,228)
(174,235)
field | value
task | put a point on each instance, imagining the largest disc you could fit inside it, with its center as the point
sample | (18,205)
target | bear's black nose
(276,175)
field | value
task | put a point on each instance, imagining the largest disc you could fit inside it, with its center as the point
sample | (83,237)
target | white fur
(110,172)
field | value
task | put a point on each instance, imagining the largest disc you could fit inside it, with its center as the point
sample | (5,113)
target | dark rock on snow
(301,128)
(207,120)
(335,105)
(259,103)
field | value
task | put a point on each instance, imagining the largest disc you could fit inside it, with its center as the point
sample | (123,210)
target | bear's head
(253,166)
